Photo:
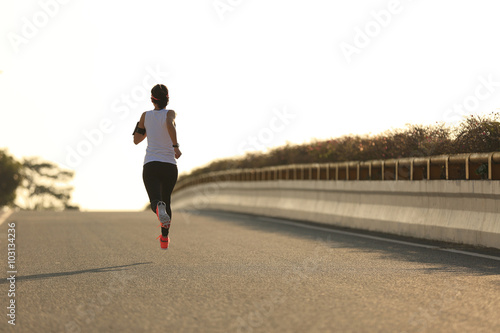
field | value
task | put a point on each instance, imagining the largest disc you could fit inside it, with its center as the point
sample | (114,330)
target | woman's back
(159,142)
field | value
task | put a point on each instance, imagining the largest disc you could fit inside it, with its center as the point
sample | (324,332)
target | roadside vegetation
(473,135)
(34,184)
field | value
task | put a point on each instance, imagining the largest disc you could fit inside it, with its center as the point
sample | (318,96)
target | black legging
(159,179)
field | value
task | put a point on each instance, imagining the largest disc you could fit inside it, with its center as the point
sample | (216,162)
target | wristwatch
(175,146)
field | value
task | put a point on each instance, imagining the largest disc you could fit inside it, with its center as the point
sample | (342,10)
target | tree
(45,186)
(10,178)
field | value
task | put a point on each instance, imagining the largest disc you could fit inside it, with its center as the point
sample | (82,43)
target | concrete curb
(460,211)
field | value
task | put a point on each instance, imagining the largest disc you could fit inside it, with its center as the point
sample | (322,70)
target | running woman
(160,166)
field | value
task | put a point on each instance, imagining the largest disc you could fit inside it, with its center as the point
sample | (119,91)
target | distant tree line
(34,184)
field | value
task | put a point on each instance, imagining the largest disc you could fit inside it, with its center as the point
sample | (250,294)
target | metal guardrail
(449,167)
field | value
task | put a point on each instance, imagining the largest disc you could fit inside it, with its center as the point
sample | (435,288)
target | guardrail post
(411,168)
(429,168)
(467,167)
(490,166)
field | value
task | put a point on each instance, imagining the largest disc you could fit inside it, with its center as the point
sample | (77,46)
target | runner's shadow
(94,270)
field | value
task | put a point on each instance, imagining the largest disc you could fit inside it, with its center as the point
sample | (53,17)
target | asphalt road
(105,272)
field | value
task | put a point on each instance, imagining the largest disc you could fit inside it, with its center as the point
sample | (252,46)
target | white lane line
(432,247)
(5,216)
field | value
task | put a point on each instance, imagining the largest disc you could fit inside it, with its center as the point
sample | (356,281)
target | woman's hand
(177,152)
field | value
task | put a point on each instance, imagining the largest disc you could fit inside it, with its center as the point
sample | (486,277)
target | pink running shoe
(164,241)
(161,212)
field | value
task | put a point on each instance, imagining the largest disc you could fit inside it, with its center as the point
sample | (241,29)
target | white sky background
(228,77)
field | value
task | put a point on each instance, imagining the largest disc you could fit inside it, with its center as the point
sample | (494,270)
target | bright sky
(243,75)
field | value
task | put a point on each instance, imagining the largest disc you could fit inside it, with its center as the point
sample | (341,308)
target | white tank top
(159,143)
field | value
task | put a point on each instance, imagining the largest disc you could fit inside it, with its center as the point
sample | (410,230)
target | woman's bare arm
(172,132)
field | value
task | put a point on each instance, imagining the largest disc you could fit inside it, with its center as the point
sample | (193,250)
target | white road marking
(432,247)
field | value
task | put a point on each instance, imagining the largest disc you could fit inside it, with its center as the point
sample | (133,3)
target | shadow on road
(444,261)
(94,270)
